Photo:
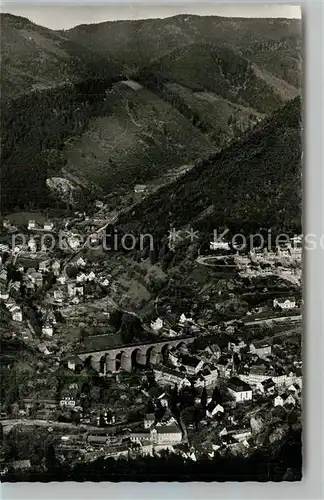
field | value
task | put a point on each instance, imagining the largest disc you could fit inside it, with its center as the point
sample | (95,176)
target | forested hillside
(253,183)
(203,82)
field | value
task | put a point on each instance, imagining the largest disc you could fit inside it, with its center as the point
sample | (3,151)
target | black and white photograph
(151,243)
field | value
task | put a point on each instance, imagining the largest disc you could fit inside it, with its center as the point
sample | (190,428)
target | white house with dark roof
(290,400)
(47,330)
(278,401)
(48,226)
(167,434)
(214,410)
(58,296)
(241,391)
(157,324)
(266,386)
(73,362)
(149,420)
(289,303)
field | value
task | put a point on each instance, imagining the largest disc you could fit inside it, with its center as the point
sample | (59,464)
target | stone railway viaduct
(125,357)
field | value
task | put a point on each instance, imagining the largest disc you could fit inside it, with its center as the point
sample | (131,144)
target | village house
(207,376)
(240,390)
(192,364)
(81,278)
(74,241)
(140,188)
(91,276)
(278,401)
(80,262)
(47,330)
(21,465)
(44,265)
(219,245)
(58,296)
(50,316)
(48,226)
(31,225)
(289,303)
(6,223)
(3,276)
(14,287)
(157,324)
(266,386)
(167,434)
(79,291)
(36,278)
(174,356)
(16,313)
(32,245)
(56,266)
(30,271)
(149,420)
(44,248)
(4,248)
(4,294)
(224,366)
(240,434)
(214,410)
(262,350)
(289,400)
(141,435)
(68,397)
(74,362)
(172,333)
(72,289)
(94,238)
(236,346)
(166,376)
(183,319)
(99,204)
(61,280)
(162,400)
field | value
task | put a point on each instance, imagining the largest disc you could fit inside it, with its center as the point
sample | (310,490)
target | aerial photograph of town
(151,245)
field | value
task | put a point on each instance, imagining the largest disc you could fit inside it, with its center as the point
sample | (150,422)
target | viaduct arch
(125,358)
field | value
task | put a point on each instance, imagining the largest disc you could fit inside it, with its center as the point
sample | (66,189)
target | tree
(216,396)
(50,456)
(131,327)
(115,318)
(203,398)
(153,256)
(13,274)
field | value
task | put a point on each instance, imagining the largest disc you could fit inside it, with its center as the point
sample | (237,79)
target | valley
(130,336)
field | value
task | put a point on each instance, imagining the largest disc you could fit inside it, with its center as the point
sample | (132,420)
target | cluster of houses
(148,438)
(14,310)
(34,226)
(292,247)
(248,369)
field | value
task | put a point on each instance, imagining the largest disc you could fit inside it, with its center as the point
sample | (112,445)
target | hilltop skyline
(68,16)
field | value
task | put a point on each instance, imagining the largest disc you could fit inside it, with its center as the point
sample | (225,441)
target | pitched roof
(237,385)
(168,429)
(268,383)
